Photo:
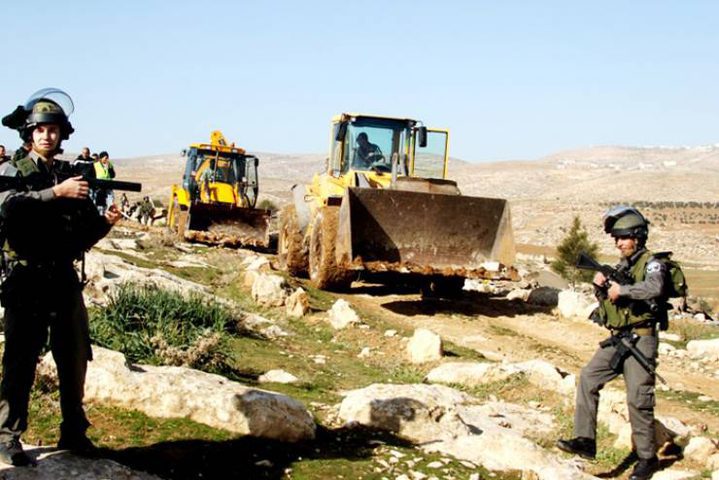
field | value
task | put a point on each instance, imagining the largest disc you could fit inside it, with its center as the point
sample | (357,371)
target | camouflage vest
(629,312)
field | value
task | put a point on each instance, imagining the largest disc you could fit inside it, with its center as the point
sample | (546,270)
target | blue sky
(511,79)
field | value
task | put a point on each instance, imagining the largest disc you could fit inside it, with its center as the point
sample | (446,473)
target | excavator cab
(216,201)
(208,172)
(388,145)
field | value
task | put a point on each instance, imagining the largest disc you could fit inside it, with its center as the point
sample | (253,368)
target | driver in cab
(366,153)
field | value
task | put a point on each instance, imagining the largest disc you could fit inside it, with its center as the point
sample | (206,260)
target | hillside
(545,194)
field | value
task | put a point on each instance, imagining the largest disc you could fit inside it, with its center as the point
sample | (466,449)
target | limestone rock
(269,290)
(445,420)
(573,304)
(341,315)
(298,303)
(518,294)
(265,327)
(56,465)
(277,376)
(256,263)
(424,346)
(674,474)
(700,449)
(420,413)
(703,348)
(538,372)
(172,392)
(106,272)
(249,278)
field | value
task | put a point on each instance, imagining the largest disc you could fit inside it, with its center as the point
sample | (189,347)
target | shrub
(161,327)
(568,250)
(267,204)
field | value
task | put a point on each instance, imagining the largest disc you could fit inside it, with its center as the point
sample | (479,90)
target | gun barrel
(114,185)
(641,359)
(586,262)
(16,183)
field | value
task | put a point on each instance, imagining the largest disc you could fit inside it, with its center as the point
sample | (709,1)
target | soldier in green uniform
(624,308)
(45,230)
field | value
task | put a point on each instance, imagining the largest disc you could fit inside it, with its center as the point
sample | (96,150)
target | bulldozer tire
(324,272)
(291,249)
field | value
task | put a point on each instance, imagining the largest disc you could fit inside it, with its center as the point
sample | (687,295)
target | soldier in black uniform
(46,229)
(624,309)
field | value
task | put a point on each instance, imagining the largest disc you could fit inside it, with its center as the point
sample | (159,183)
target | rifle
(625,343)
(32,182)
(622,277)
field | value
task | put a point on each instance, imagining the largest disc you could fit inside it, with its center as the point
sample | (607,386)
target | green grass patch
(691,400)
(155,326)
(689,329)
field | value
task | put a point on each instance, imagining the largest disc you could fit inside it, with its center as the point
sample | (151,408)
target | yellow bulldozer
(384,206)
(216,202)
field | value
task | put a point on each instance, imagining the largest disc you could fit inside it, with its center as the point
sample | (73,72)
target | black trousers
(37,302)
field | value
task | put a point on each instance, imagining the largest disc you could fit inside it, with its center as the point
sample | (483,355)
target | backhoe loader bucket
(385,230)
(231,226)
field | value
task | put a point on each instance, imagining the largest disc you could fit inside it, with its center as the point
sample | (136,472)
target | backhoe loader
(216,202)
(384,206)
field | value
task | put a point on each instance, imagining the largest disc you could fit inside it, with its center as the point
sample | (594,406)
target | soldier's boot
(12,453)
(77,443)
(582,446)
(645,468)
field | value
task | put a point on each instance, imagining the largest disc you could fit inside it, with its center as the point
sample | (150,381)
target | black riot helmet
(49,105)
(625,221)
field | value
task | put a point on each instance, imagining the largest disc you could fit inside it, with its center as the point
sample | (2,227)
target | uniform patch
(655,266)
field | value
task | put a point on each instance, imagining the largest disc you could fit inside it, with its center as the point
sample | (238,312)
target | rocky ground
(486,381)
(381,383)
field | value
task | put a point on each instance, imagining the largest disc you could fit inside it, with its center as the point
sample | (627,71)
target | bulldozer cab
(208,170)
(386,145)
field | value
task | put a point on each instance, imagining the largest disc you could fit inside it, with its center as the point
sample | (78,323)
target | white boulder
(341,315)
(172,392)
(424,346)
(269,290)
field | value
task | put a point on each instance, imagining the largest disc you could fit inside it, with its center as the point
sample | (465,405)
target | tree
(568,251)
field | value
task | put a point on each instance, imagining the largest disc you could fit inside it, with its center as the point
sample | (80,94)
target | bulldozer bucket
(385,230)
(230,226)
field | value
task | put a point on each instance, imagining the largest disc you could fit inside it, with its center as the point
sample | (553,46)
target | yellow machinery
(216,202)
(384,205)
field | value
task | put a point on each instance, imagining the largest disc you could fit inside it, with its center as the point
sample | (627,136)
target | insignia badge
(653,267)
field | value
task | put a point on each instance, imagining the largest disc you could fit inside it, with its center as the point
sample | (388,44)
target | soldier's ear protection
(16,119)
(49,105)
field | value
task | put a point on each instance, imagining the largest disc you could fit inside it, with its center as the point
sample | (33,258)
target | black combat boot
(582,446)
(78,444)
(12,453)
(645,468)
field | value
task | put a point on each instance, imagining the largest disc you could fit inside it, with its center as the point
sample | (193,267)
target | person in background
(3,158)
(104,170)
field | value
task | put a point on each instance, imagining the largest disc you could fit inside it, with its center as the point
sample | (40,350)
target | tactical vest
(25,167)
(628,312)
